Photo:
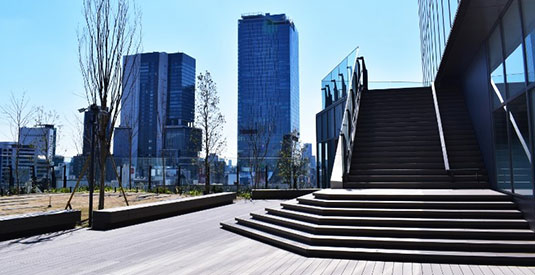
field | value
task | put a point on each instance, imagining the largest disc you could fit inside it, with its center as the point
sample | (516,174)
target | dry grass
(31,203)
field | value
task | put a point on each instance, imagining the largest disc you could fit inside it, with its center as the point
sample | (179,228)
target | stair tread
(305,249)
(349,237)
(411,219)
(311,197)
(295,203)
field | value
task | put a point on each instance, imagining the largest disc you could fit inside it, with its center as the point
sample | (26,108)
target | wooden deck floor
(193,244)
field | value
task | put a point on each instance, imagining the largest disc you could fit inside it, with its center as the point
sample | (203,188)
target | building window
(501,151)
(514,57)
(528,16)
(496,67)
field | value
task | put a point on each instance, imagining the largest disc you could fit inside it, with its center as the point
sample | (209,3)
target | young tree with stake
(209,119)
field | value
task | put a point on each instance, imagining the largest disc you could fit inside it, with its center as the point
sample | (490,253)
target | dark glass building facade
(158,105)
(334,90)
(268,81)
(486,49)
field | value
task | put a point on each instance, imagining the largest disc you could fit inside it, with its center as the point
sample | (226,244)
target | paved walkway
(193,244)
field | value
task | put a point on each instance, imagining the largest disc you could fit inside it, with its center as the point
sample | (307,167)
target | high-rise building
(15,157)
(158,106)
(42,138)
(268,84)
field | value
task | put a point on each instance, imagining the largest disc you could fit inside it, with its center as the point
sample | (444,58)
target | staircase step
(413,194)
(417,185)
(313,234)
(407,213)
(354,177)
(500,205)
(402,255)
(401,222)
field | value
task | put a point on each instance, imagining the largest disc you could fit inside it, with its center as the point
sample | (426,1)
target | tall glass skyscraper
(268,83)
(158,105)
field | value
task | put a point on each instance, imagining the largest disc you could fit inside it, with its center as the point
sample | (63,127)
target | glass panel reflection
(514,60)
(335,85)
(501,149)
(528,12)
(496,65)
(520,152)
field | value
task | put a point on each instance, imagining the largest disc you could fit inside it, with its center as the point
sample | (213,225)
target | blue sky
(38,52)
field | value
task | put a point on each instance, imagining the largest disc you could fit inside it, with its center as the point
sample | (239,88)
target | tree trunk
(207,178)
(103,156)
(130,164)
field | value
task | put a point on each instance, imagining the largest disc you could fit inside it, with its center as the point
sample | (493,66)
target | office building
(158,107)
(268,85)
(42,138)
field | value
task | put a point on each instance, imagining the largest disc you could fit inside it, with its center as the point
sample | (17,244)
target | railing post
(440,130)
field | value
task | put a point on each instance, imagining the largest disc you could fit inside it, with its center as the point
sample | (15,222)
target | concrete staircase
(399,203)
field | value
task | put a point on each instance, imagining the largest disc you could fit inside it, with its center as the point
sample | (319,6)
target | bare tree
(109,32)
(258,135)
(18,113)
(76,125)
(292,164)
(161,118)
(209,119)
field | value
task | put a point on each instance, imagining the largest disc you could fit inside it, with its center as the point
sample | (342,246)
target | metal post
(179,181)
(64,176)
(53,176)
(11,180)
(120,175)
(92,166)
(237,178)
(266,176)
(150,177)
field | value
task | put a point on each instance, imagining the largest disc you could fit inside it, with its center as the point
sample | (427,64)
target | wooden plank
(284,264)
(436,269)
(416,268)
(397,269)
(378,268)
(407,268)
(446,269)
(302,267)
(426,269)
(466,269)
(298,263)
(526,270)
(331,267)
(368,270)
(388,268)
(311,267)
(496,270)
(340,268)
(359,269)
(321,267)
(350,267)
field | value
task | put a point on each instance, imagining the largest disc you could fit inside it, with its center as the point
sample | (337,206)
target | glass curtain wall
(511,74)
(436,20)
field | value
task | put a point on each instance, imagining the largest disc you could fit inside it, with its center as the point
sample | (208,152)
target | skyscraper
(268,84)
(158,105)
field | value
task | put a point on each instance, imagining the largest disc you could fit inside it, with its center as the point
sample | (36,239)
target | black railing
(344,150)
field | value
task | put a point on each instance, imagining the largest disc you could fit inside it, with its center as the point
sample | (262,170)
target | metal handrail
(440,130)
(344,149)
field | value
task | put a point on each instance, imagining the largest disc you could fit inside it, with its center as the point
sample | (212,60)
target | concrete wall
(128,215)
(15,226)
